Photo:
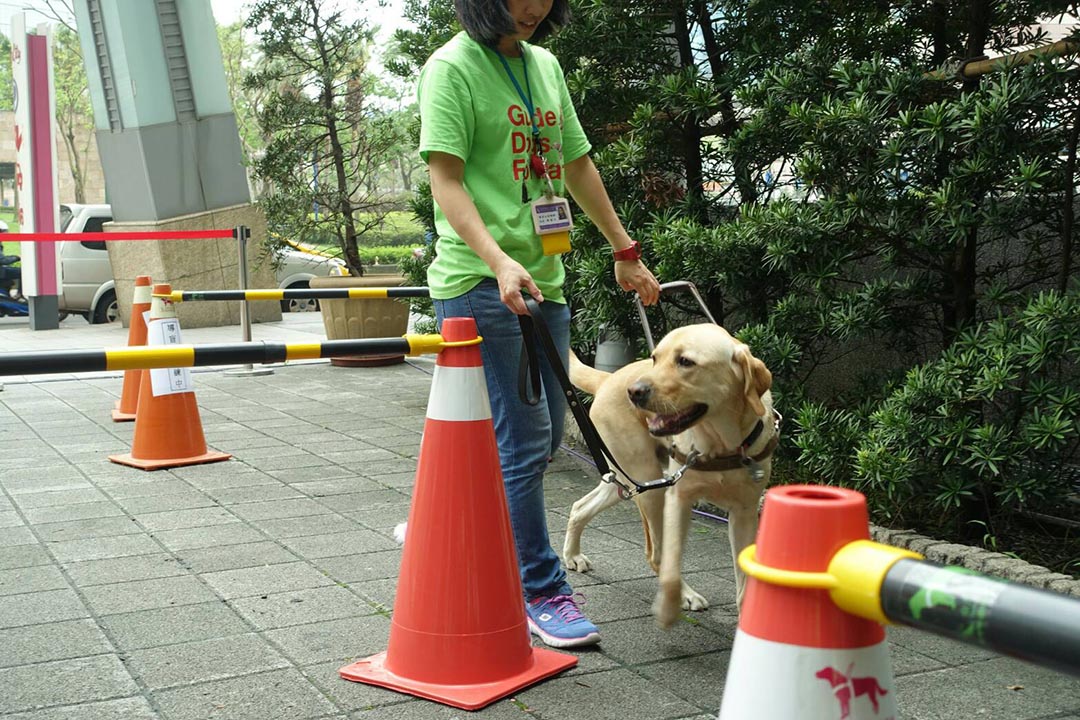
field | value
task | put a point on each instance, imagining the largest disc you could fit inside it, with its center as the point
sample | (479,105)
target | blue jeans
(527,435)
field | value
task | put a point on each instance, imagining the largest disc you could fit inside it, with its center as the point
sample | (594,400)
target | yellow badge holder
(553,222)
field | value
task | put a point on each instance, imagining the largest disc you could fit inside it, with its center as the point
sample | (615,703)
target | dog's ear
(756,378)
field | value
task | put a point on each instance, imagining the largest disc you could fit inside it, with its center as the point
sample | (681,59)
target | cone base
(119,415)
(366,360)
(162,463)
(372,671)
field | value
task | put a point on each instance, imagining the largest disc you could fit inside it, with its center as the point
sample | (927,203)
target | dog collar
(739,459)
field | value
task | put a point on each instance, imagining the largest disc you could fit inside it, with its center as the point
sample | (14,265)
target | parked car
(301,262)
(89,289)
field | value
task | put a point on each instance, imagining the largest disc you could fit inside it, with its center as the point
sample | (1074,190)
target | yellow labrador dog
(702,390)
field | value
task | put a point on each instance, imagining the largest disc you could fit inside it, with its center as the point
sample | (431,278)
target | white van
(89,289)
(84,265)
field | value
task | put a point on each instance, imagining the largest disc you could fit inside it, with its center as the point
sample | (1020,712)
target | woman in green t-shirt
(503,145)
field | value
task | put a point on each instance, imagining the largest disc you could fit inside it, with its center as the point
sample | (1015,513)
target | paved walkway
(237,589)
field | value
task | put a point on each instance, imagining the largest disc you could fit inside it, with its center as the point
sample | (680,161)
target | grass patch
(400,228)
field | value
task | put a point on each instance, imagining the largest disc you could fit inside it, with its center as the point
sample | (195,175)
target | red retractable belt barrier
(149,235)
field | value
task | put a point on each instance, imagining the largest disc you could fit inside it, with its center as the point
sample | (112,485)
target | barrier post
(242,233)
(796,654)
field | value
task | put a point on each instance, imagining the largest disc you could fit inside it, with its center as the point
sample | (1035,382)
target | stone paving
(237,589)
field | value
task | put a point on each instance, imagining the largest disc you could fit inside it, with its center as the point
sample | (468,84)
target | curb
(979,559)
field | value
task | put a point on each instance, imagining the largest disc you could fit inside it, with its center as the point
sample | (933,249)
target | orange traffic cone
(129,396)
(458,634)
(168,430)
(796,654)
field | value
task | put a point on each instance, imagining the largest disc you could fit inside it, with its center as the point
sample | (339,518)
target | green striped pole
(890,585)
(168,356)
(299,294)
(1036,625)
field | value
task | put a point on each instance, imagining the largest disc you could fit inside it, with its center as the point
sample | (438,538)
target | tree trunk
(344,202)
(67,131)
(729,122)
(691,131)
(1068,209)
(939,16)
(344,205)
(962,264)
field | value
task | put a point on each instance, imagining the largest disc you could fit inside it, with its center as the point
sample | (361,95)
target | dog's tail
(584,377)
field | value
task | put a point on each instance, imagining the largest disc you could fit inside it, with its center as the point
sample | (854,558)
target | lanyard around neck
(526,94)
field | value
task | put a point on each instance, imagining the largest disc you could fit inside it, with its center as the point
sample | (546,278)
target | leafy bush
(422,207)
(983,434)
(872,222)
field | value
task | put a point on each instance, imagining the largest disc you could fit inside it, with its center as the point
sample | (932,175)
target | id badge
(552,221)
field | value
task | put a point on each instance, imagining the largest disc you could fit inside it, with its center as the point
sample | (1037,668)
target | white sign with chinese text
(167,381)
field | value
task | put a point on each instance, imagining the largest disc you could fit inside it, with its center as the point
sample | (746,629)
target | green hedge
(384,254)
(398,229)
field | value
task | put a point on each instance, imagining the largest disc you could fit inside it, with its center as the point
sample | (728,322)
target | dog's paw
(666,609)
(578,563)
(693,600)
(399,532)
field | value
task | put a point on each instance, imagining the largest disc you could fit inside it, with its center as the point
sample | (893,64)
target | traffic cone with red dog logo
(129,396)
(796,654)
(458,634)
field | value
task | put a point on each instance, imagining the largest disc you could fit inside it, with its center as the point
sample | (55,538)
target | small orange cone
(168,430)
(129,397)
(796,654)
(458,634)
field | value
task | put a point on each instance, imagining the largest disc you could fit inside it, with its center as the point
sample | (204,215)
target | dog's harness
(534,326)
(739,459)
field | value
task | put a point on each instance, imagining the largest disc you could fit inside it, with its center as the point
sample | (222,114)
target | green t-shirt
(469,108)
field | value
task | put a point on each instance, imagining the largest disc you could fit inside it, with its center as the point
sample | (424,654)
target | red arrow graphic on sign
(18,138)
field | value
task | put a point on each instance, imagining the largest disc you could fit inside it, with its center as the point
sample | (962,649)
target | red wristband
(630,253)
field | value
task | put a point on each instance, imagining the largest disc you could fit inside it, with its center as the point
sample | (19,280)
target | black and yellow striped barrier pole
(298,294)
(889,585)
(172,356)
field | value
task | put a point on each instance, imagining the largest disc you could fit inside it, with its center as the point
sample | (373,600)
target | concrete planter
(613,351)
(353,319)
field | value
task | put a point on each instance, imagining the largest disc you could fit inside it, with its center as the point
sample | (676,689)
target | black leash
(534,327)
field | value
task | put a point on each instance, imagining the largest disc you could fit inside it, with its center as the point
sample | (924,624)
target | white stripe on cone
(458,394)
(773,681)
(143,295)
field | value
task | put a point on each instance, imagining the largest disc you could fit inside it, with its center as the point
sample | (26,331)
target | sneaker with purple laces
(559,623)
